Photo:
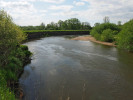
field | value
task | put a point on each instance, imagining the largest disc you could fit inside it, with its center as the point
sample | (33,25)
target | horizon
(34,12)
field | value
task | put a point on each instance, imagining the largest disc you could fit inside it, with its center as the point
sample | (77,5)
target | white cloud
(26,12)
(49,1)
(66,13)
(97,10)
(78,3)
(53,1)
(62,7)
(116,10)
(15,4)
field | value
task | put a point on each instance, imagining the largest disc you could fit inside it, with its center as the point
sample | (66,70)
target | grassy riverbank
(13,56)
(10,73)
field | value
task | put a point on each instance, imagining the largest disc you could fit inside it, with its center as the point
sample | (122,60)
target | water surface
(63,69)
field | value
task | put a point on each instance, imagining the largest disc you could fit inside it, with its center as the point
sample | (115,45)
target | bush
(10,36)
(125,37)
(107,35)
(97,36)
(5,93)
(24,47)
(12,54)
(105,32)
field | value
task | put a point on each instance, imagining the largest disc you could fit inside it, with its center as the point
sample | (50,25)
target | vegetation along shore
(13,56)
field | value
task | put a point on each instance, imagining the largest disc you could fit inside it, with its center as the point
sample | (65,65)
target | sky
(34,12)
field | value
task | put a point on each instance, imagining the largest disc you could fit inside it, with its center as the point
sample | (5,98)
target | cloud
(26,12)
(78,3)
(66,13)
(15,4)
(62,7)
(53,1)
(116,10)
(49,1)
(96,10)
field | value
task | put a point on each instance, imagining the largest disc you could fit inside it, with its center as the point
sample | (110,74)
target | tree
(86,26)
(119,23)
(42,26)
(106,31)
(106,19)
(96,24)
(10,36)
(107,35)
(125,37)
(60,22)
(70,24)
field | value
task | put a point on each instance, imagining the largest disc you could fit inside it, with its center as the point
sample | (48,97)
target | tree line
(70,24)
(121,35)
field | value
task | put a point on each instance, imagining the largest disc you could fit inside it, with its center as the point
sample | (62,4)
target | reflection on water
(63,69)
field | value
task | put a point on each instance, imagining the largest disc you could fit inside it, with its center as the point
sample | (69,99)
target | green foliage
(15,62)
(10,72)
(5,93)
(107,35)
(97,36)
(105,32)
(12,54)
(125,37)
(24,47)
(70,24)
(10,36)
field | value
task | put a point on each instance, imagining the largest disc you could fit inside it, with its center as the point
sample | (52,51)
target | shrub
(5,93)
(125,37)
(107,35)
(106,31)
(10,36)
(24,47)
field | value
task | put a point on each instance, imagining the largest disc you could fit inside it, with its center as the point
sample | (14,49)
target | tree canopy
(70,24)
(10,36)
(125,37)
(105,32)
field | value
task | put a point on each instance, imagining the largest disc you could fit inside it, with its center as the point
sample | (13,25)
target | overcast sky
(33,12)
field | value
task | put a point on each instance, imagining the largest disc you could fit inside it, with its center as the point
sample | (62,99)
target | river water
(63,69)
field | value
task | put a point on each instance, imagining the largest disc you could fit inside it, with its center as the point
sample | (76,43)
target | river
(63,69)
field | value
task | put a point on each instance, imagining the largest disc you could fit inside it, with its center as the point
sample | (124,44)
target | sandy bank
(90,38)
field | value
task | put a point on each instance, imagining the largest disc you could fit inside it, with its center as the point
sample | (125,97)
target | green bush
(97,36)
(107,35)
(24,47)
(12,54)
(105,32)
(125,37)
(5,93)
(10,37)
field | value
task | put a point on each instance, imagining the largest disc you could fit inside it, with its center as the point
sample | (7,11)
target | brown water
(63,69)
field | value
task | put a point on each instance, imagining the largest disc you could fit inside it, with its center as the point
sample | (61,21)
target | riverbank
(11,72)
(90,38)
(34,34)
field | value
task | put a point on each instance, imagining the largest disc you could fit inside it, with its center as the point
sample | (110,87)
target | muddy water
(63,69)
